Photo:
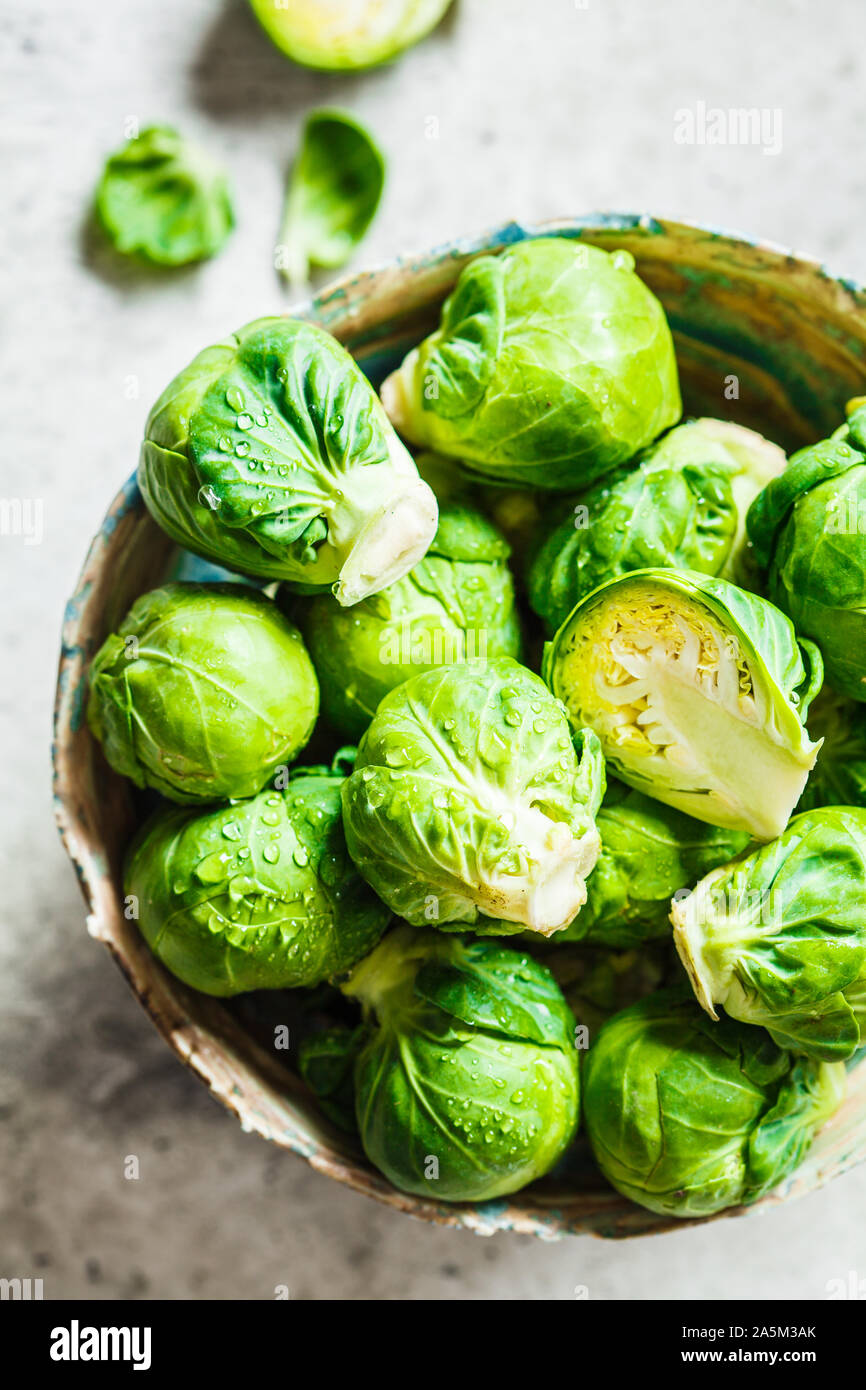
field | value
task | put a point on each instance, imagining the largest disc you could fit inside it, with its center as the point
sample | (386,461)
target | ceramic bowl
(763,337)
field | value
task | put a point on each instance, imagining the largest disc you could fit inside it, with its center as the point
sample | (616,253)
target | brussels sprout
(333,194)
(344,35)
(682,507)
(686,1116)
(467,1087)
(203,692)
(271,454)
(839,776)
(258,895)
(698,692)
(468,801)
(778,936)
(807,528)
(163,199)
(553,363)
(649,851)
(456,604)
(326,1061)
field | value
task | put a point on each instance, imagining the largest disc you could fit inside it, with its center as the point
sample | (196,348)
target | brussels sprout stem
(383,980)
(548,896)
(394,538)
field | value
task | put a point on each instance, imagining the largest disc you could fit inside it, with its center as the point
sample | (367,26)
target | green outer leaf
(203,693)
(450,1075)
(326,1062)
(334,190)
(462,360)
(336,36)
(161,198)
(457,602)
(584,374)
(451,760)
(780,933)
(649,851)
(500,989)
(771,508)
(257,895)
(687,1117)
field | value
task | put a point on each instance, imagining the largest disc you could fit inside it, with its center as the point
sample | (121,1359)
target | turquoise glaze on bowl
(763,337)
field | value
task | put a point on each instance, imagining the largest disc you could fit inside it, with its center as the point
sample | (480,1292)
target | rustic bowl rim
(605,1213)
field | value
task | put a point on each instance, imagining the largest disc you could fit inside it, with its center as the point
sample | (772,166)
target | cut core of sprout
(391,542)
(683,710)
(542,881)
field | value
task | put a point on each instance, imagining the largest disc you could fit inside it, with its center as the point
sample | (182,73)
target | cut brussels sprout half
(346,35)
(698,692)
(468,800)
(778,937)
(271,454)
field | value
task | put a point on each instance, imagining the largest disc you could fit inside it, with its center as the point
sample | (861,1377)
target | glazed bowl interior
(764,338)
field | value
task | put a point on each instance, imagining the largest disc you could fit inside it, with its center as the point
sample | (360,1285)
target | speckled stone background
(538,110)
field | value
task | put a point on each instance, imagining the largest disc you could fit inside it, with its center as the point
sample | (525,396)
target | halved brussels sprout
(455,605)
(271,454)
(649,852)
(203,692)
(808,529)
(258,895)
(698,692)
(345,35)
(467,1087)
(779,936)
(553,363)
(469,802)
(682,505)
(686,1116)
(839,776)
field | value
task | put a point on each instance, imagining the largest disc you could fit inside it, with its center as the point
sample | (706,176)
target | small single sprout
(346,35)
(203,693)
(687,1117)
(808,529)
(680,505)
(553,364)
(468,790)
(698,692)
(467,1085)
(456,604)
(333,193)
(163,199)
(778,937)
(271,454)
(257,895)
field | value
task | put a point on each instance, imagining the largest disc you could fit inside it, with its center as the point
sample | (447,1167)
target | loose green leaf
(332,197)
(162,198)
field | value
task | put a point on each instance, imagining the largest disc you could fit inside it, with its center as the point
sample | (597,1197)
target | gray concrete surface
(542,109)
